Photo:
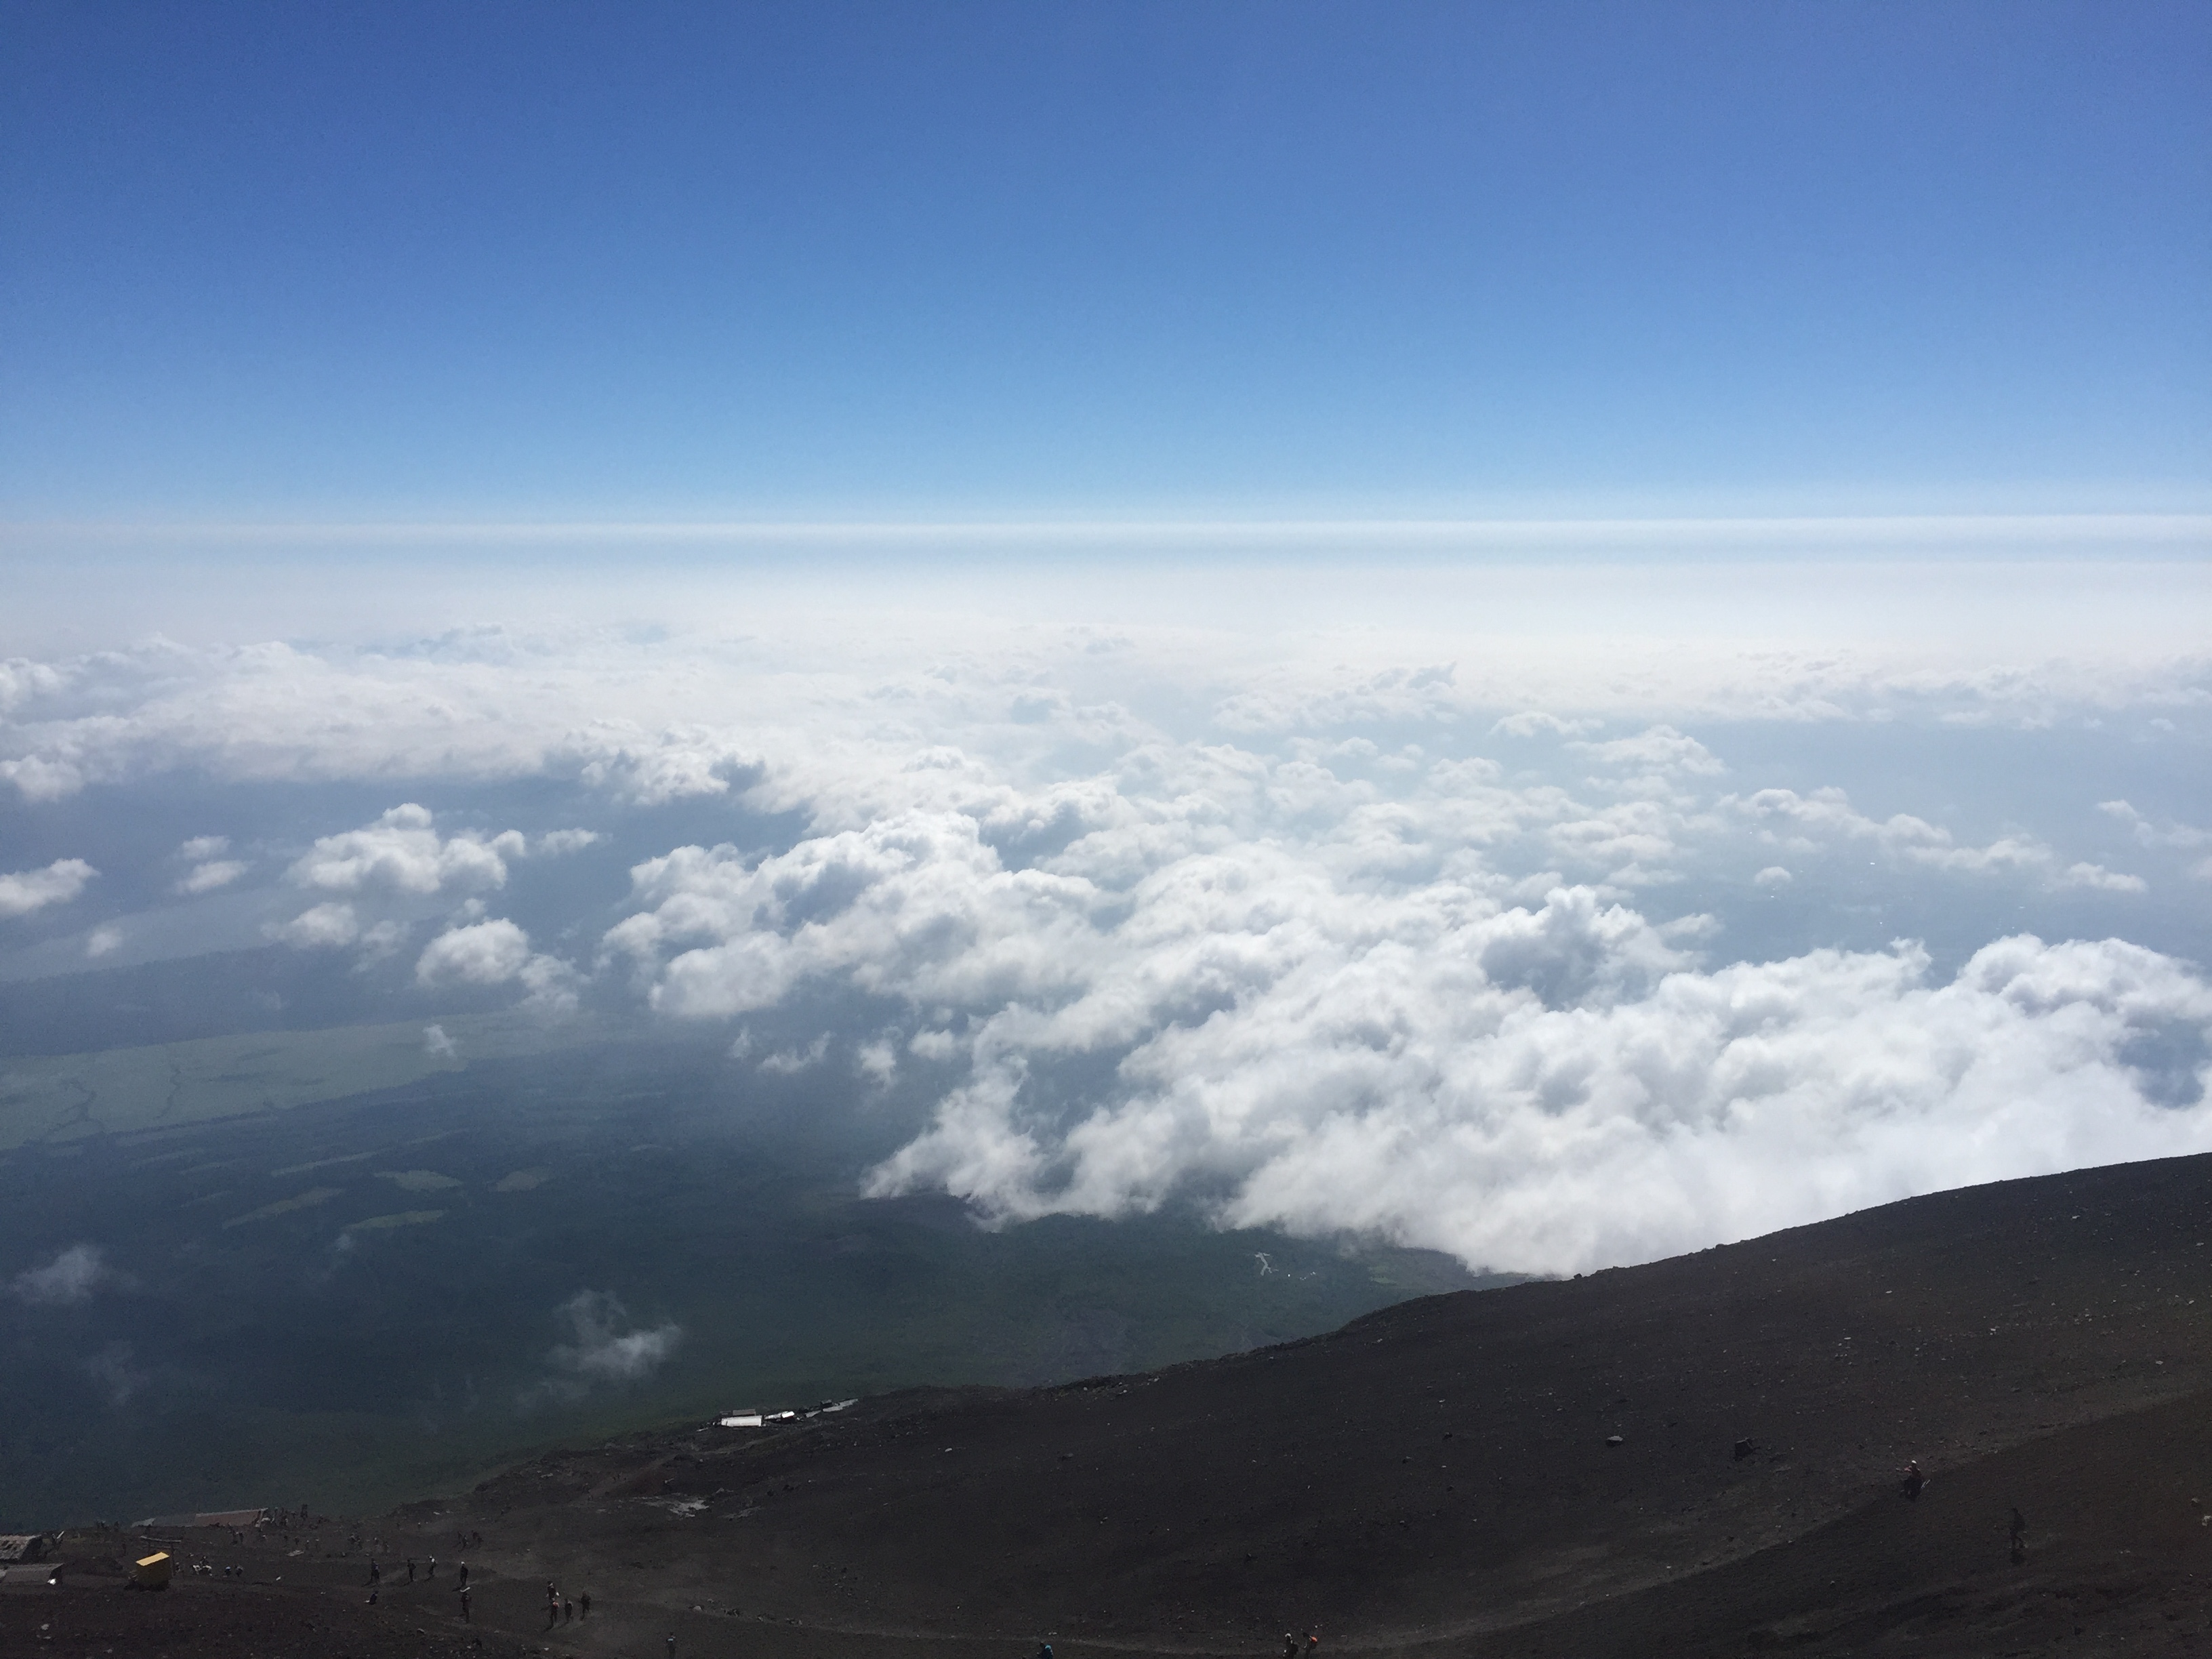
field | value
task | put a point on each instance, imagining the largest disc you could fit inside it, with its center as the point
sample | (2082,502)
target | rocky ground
(1697,1457)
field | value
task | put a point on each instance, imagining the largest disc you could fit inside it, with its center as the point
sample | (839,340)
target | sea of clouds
(1547,949)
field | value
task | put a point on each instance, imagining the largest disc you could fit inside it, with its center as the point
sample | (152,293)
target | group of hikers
(559,1609)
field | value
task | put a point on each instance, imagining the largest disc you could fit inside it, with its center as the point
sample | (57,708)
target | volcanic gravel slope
(1445,1477)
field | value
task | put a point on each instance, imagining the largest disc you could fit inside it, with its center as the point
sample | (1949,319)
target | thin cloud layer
(76,1275)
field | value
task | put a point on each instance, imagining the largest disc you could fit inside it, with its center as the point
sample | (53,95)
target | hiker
(410,1569)
(584,1605)
(1914,1480)
(375,1573)
(372,1596)
(1044,1650)
(432,1573)
(671,1647)
(567,1611)
(1290,1646)
(464,1575)
(2019,1535)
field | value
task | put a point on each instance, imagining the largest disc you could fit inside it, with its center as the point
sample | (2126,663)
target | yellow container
(151,1572)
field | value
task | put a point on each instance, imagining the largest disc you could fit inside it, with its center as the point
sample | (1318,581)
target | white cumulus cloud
(484,953)
(1420,1097)
(402,853)
(209,877)
(495,952)
(26,890)
(322,927)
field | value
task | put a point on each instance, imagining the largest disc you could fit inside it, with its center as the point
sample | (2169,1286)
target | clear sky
(399,260)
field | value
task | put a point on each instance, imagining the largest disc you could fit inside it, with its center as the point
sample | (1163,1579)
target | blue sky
(551,261)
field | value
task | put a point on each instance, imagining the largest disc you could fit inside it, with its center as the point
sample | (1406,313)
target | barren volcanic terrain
(1697,1455)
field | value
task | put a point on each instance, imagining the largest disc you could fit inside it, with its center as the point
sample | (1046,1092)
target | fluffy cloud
(390,872)
(213,874)
(604,1345)
(1424,1101)
(495,952)
(34,890)
(486,953)
(322,927)
(1419,935)
(402,853)
(74,1275)
(1317,1006)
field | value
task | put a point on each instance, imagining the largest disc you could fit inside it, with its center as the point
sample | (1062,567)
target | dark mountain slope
(2119,1545)
(1438,1477)
(1443,1465)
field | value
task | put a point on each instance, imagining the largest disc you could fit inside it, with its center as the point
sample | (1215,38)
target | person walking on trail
(465,1574)
(1290,1646)
(584,1605)
(2019,1535)
(1044,1650)
(1914,1480)
(567,1611)
(671,1647)
(410,1569)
